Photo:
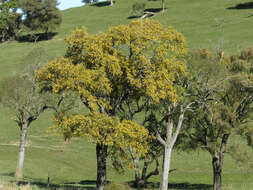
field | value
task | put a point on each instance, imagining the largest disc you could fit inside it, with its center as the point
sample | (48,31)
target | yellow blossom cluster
(102,129)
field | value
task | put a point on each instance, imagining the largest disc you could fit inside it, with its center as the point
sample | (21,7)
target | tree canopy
(106,69)
(41,14)
(10,20)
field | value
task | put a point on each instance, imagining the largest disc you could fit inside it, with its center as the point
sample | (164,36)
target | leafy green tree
(10,20)
(89,1)
(41,14)
(107,69)
(225,90)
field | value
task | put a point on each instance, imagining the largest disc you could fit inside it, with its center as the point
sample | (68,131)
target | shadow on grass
(133,17)
(150,12)
(83,182)
(82,185)
(248,5)
(10,174)
(102,4)
(154,10)
(179,186)
(36,37)
(189,186)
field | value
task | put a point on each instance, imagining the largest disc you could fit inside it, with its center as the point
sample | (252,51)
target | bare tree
(20,93)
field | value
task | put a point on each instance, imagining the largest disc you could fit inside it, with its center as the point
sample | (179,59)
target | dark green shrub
(138,9)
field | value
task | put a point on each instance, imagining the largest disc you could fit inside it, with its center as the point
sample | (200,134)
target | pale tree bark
(163,5)
(21,154)
(170,140)
(166,168)
(101,151)
(111,2)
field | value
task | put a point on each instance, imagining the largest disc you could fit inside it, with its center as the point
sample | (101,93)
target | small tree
(10,20)
(225,90)
(19,93)
(41,14)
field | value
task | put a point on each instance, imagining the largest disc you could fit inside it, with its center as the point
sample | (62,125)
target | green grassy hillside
(205,24)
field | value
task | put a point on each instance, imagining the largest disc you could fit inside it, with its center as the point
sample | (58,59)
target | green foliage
(89,1)
(138,8)
(224,86)
(108,69)
(41,15)
(10,20)
(19,92)
(234,178)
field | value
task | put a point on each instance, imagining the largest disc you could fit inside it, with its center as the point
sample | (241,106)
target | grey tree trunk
(101,166)
(21,155)
(169,141)
(166,168)
(111,2)
(136,172)
(163,5)
(217,172)
(217,162)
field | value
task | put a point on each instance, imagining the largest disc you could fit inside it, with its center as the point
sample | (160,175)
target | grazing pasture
(216,25)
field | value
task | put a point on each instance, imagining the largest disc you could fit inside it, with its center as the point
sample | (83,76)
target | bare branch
(160,139)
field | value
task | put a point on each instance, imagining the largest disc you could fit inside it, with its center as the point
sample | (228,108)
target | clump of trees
(42,15)
(191,101)
(109,71)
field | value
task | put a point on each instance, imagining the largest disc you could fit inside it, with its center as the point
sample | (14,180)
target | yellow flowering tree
(107,70)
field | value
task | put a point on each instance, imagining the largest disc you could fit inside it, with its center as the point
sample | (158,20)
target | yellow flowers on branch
(143,58)
(103,129)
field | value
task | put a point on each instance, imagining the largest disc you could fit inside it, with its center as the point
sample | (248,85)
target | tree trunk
(166,168)
(111,2)
(217,172)
(101,166)
(217,162)
(136,172)
(21,155)
(145,176)
(163,5)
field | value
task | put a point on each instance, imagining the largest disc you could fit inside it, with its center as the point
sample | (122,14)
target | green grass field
(204,23)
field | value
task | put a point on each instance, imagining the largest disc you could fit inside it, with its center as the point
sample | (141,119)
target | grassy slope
(205,23)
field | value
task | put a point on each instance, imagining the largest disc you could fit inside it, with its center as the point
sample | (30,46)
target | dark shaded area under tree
(102,4)
(36,37)
(248,5)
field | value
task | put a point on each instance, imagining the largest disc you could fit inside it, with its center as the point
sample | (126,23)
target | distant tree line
(32,15)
